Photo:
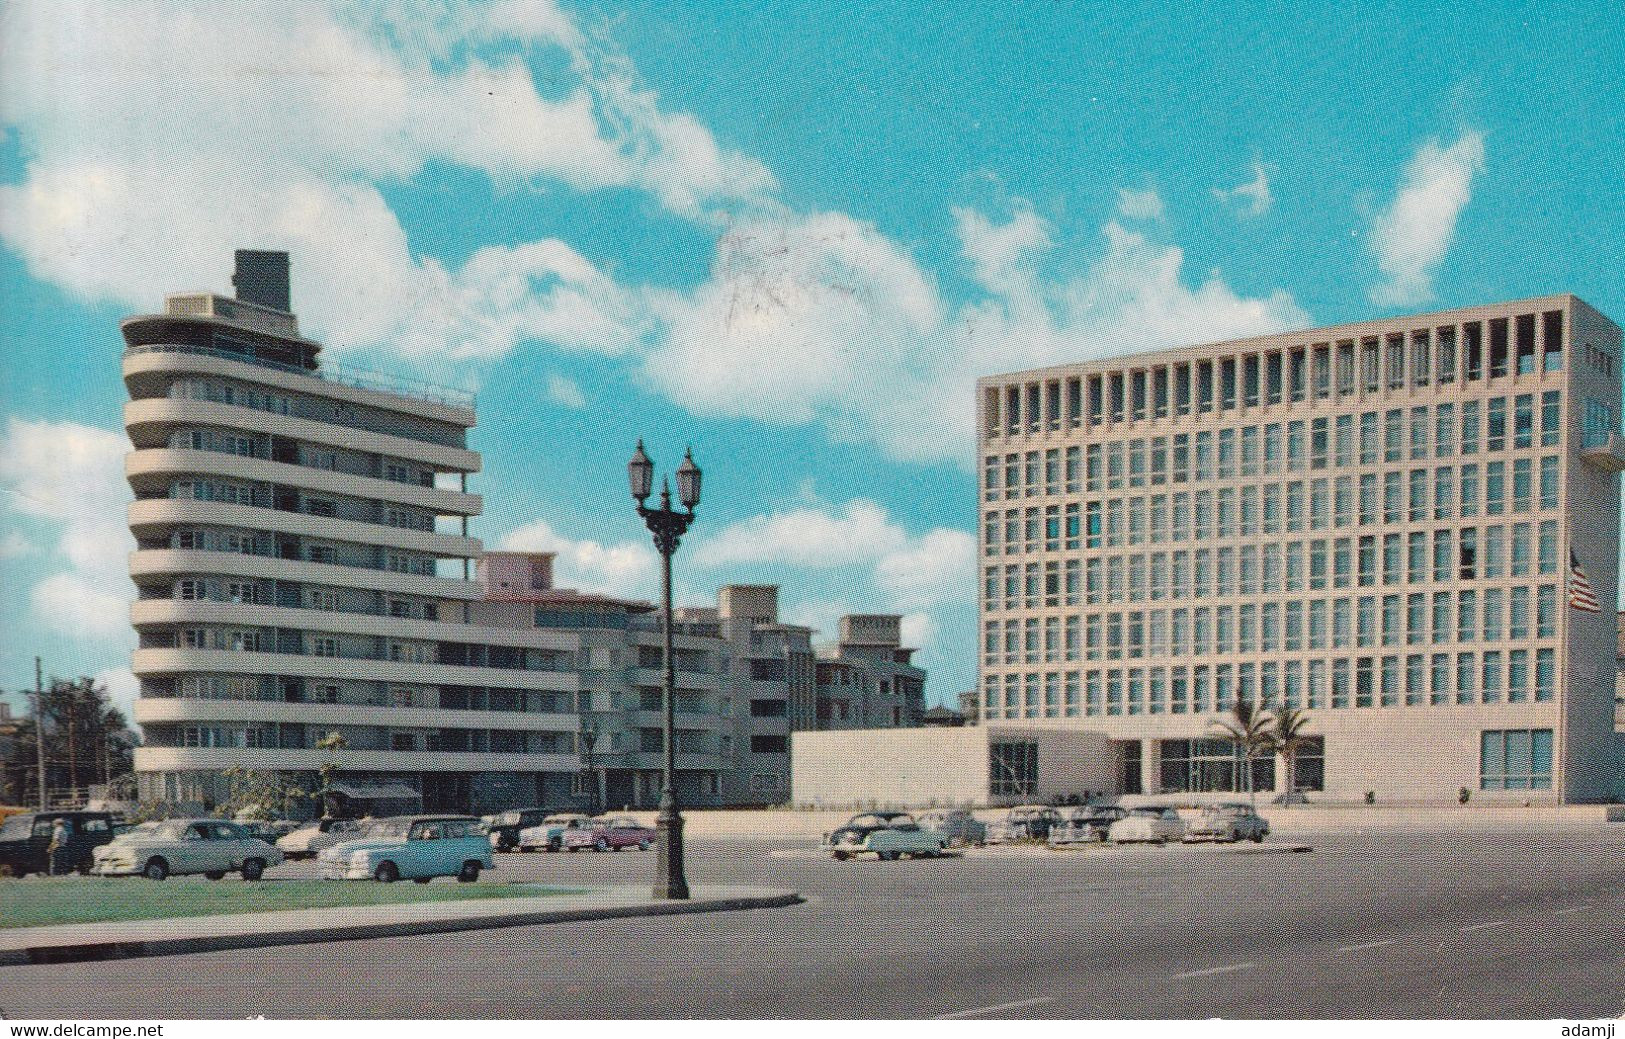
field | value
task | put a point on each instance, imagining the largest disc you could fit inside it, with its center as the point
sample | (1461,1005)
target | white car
(312,837)
(548,835)
(1230,822)
(887,835)
(212,847)
(1148,825)
(412,847)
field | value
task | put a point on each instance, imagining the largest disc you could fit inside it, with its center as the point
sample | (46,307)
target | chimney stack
(262,278)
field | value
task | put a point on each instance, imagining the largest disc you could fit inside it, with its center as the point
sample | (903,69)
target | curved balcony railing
(344,375)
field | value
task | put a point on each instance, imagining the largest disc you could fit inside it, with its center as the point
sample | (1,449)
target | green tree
(333,743)
(263,795)
(1247,730)
(87,741)
(1287,735)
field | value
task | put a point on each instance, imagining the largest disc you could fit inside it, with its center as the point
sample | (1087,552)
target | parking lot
(1413,925)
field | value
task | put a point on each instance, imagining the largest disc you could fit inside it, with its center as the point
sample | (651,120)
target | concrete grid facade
(1372,522)
(303,567)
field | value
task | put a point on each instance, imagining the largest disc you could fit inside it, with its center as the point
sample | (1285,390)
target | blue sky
(789,233)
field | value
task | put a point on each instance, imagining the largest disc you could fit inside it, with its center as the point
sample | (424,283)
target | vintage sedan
(1148,825)
(1023,823)
(504,827)
(411,847)
(886,835)
(610,833)
(311,838)
(212,847)
(960,827)
(548,835)
(1230,822)
(1089,824)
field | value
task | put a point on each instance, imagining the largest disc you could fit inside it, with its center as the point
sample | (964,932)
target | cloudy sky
(790,233)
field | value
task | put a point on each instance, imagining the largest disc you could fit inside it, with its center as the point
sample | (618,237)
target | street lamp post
(668,526)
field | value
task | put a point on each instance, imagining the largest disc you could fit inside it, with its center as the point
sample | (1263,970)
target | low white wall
(790,824)
(880,768)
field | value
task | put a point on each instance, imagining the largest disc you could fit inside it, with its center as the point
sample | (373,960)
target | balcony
(343,375)
(1605,451)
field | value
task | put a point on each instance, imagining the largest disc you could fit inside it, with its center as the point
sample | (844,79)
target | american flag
(1581,595)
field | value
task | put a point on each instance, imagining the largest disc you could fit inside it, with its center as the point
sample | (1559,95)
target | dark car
(505,827)
(25,841)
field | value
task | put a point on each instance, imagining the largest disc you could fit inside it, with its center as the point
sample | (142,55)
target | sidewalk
(103,941)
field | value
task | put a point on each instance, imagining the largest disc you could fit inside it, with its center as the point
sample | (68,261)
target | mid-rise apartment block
(867,679)
(1408,528)
(303,568)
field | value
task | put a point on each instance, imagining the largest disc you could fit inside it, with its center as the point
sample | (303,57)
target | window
(767,744)
(1596,422)
(1495,425)
(1515,759)
(1012,768)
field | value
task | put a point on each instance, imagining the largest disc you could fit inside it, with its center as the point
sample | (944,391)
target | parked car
(610,833)
(1090,824)
(411,847)
(960,827)
(311,838)
(1148,825)
(212,847)
(25,841)
(504,828)
(269,832)
(1231,821)
(888,835)
(548,835)
(1023,823)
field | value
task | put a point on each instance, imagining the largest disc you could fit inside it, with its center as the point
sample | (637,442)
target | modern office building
(303,568)
(1391,525)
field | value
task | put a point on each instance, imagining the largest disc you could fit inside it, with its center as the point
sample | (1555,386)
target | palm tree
(1247,730)
(1289,733)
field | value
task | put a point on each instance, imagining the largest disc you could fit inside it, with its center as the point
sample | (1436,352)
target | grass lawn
(41,902)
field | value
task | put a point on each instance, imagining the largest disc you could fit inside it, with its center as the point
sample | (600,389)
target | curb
(114,950)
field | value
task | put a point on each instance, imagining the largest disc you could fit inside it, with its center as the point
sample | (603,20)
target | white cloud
(1254,197)
(824,319)
(122,687)
(137,118)
(810,537)
(627,568)
(14,546)
(1143,204)
(73,475)
(564,392)
(1410,237)
(799,315)
(937,567)
(919,630)
(352,266)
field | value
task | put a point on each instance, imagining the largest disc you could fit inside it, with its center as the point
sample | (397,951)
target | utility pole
(39,729)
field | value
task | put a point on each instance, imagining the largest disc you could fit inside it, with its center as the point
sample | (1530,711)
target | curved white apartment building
(294,524)
(303,567)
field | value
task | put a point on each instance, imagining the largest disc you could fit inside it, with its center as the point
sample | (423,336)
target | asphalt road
(1423,926)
